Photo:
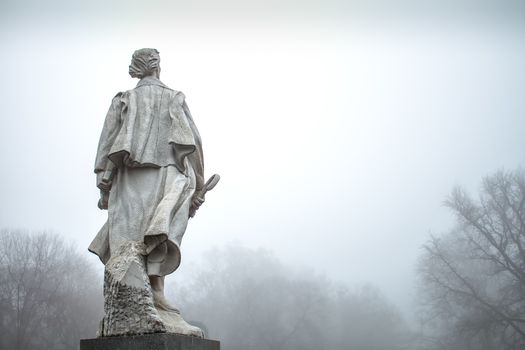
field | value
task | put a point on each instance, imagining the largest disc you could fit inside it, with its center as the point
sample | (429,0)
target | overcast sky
(338,127)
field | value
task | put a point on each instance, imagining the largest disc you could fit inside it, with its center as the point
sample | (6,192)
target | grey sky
(338,128)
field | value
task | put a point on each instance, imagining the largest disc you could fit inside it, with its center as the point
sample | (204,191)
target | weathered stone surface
(150,173)
(174,323)
(128,301)
(161,341)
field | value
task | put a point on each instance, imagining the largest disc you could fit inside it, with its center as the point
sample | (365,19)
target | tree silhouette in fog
(50,296)
(473,278)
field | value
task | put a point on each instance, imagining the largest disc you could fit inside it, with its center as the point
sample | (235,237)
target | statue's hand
(196,202)
(198,196)
(104,200)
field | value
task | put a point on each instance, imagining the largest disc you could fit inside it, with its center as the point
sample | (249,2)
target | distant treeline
(49,294)
(249,300)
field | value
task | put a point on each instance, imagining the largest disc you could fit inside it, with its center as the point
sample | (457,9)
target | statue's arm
(107,137)
(196,158)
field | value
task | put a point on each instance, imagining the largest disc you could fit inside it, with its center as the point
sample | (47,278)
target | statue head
(145,62)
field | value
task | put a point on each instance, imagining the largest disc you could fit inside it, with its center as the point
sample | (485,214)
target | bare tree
(48,293)
(473,279)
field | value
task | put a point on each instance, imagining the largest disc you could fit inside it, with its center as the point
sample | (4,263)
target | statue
(150,173)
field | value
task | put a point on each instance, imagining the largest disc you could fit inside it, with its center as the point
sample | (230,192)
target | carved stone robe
(150,136)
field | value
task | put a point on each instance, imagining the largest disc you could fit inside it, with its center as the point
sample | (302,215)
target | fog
(338,128)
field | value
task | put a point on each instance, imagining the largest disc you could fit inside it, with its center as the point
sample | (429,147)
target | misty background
(338,128)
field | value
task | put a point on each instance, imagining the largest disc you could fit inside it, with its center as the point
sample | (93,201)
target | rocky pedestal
(132,321)
(159,341)
(128,301)
(129,304)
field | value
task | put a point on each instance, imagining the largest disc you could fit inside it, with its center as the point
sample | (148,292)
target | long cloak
(151,139)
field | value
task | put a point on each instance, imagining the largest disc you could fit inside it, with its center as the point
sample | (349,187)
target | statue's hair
(143,63)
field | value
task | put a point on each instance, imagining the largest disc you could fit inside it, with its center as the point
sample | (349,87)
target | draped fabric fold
(151,139)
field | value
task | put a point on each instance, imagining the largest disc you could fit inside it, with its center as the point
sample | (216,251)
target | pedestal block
(158,341)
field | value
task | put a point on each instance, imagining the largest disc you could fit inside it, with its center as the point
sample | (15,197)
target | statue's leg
(157,287)
(170,315)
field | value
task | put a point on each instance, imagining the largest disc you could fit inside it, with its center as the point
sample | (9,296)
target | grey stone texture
(128,301)
(161,341)
(150,173)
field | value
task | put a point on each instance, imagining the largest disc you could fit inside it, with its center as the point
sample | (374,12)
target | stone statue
(150,173)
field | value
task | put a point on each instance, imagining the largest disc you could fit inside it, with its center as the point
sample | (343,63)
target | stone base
(158,341)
